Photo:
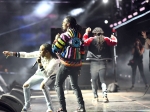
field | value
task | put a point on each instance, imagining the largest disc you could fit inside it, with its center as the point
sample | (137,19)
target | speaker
(13,101)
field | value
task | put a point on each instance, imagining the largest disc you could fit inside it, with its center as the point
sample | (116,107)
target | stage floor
(124,100)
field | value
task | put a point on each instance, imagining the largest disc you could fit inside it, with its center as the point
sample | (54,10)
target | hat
(98,30)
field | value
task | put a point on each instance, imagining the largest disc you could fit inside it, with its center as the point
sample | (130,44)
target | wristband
(42,69)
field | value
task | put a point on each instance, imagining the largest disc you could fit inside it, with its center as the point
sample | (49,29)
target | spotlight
(142,9)
(115,24)
(106,21)
(130,16)
(135,13)
(125,19)
(111,25)
(76,12)
(105,1)
(119,22)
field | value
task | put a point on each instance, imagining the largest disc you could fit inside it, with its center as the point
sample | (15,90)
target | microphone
(34,64)
(7,56)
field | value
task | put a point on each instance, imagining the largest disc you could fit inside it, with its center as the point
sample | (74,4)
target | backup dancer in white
(48,65)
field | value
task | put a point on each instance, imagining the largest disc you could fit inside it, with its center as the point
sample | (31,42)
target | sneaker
(61,110)
(49,110)
(147,86)
(105,100)
(81,109)
(95,96)
(132,87)
(26,110)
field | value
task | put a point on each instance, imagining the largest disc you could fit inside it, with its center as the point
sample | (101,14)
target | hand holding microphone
(7,53)
(37,61)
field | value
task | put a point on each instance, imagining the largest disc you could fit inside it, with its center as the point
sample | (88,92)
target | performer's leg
(134,66)
(140,66)
(74,83)
(26,90)
(94,76)
(45,91)
(103,84)
(60,78)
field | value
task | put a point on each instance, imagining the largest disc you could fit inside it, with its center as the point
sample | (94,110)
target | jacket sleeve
(87,40)
(34,54)
(111,41)
(60,43)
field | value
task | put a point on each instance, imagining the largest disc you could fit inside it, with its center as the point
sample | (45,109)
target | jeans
(37,78)
(138,64)
(98,70)
(61,75)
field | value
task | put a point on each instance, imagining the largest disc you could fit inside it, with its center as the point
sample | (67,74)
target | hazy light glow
(43,9)
(105,1)
(76,12)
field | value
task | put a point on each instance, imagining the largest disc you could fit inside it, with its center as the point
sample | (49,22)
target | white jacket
(50,66)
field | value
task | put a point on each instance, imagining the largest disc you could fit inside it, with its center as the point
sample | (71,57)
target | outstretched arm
(34,54)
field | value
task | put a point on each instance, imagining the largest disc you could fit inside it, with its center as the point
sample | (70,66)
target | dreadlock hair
(98,33)
(48,47)
(73,23)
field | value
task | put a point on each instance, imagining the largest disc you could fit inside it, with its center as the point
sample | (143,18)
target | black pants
(62,74)
(138,64)
(98,70)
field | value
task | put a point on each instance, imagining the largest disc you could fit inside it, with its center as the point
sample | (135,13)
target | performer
(137,52)
(47,68)
(147,40)
(70,49)
(98,54)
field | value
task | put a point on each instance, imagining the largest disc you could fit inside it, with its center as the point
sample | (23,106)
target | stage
(124,100)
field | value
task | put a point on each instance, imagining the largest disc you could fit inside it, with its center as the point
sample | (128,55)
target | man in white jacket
(48,65)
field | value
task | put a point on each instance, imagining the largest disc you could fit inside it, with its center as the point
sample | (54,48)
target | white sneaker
(49,110)
(26,110)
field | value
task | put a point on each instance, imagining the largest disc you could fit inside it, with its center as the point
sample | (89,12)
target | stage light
(43,9)
(115,24)
(142,9)
(106,21)
(146,1)
(135,13)
(125,19)
(111,25)
(130,16)
(119,22)
(76,12)
(105,1)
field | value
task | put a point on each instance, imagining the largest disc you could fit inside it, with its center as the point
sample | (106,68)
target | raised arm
(112,41)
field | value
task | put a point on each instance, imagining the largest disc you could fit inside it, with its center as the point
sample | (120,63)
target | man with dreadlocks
(98,54)
(70,49)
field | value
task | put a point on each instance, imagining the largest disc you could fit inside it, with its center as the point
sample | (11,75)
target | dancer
(47,68)
(70,49)
(137,52)
(98,55)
